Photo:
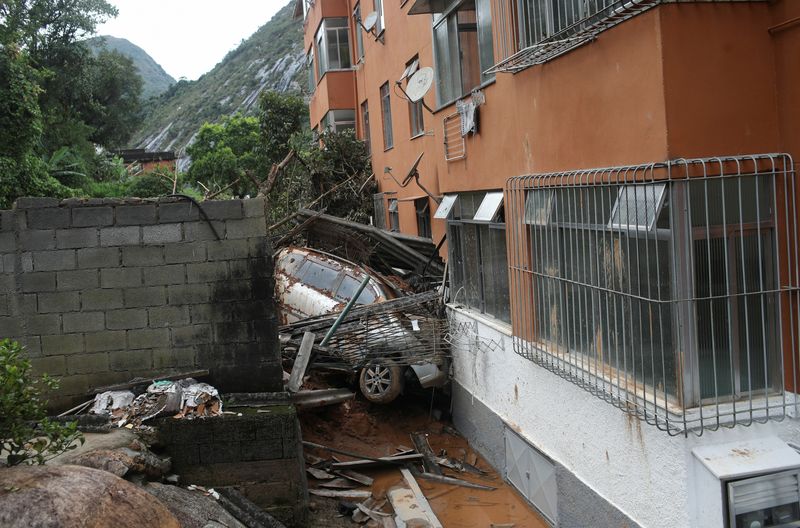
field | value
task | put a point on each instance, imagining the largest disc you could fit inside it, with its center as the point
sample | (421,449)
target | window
(386,114)
(365,126)
(312,83)
(349,287)
(394,215)
(415,116)
(665,295)
(338,120)
(423,209)
(333,45)
(463,49)
(316,275)
(359,35)
(379,24)
(478,262)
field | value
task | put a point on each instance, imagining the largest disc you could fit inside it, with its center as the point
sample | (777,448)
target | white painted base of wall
(645,473)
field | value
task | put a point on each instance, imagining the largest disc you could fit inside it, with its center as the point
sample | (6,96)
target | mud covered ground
(383,430)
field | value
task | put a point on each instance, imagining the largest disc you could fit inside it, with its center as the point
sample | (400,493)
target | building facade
(615,180)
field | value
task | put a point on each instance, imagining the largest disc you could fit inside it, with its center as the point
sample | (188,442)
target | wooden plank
(336,494)
(420,441)
(355,476)
(396,460)
(420,498)
(454,481)
(301,362)
(339,483)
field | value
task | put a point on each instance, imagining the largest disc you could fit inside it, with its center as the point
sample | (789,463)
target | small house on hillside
(139,161)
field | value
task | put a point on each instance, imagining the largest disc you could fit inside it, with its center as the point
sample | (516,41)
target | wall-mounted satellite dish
(369,21)
(419,84)
(412,171)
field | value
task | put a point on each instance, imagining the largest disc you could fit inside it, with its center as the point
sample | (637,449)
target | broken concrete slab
(193,509)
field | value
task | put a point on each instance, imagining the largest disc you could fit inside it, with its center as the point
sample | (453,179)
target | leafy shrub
(26,434)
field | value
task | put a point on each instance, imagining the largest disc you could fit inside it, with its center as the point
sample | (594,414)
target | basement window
(478,261)
(333,45)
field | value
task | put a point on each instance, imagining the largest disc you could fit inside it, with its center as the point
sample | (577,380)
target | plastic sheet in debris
(107,402)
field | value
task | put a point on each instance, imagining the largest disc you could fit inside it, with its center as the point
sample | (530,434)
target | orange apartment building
(615,180)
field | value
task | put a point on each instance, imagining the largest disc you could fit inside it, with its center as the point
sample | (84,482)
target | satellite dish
(369,21)
(412,171)
(419,84)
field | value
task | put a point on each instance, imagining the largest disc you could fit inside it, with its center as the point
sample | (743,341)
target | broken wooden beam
(301,362)
(454,481)
(422,446)
(336,494)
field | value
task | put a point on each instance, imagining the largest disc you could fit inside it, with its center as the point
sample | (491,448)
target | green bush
(26,434)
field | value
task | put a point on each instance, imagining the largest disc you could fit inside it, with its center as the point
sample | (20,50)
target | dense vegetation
(59,102)
(155,80)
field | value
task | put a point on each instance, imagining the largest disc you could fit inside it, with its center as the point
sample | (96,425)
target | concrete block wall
(103,290)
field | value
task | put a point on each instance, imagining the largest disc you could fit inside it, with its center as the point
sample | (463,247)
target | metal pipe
(347,308)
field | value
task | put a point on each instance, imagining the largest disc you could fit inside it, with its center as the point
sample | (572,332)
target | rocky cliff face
(271,59)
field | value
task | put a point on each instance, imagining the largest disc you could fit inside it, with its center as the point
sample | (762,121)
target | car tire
(381,382)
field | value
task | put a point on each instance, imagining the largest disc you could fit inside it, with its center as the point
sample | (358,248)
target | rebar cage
(668,289)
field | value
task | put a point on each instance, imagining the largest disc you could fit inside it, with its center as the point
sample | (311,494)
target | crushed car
(384,350)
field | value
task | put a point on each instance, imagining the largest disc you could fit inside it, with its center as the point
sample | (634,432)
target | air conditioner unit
(749,484)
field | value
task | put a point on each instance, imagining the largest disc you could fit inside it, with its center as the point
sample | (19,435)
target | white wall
(640,469)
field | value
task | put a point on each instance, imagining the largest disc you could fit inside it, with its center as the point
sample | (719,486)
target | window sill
(451,102)
(494,324)
(387,149)
(421,134)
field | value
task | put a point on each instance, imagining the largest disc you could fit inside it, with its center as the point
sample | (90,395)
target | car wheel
(381,382)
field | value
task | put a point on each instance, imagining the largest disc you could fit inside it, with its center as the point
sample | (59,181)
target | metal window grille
(669,290)
(533,32)
(455,148)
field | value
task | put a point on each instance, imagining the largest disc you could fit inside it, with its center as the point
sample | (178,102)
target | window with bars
(463,48)
(333,45)
(477,247)
(664,289)
(386,115)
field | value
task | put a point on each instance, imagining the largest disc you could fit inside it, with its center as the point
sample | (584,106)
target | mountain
(156,80)
(271,59)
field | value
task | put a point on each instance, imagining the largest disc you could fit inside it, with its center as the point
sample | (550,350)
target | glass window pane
(637,206)
(319,276)
(484,8)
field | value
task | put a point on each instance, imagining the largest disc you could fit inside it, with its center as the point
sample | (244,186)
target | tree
(280,116)
(227,154)
(26,434)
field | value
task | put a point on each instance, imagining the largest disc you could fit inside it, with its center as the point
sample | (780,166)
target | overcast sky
(188,37)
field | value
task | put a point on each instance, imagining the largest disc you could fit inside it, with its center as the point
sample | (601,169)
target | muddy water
(383,430)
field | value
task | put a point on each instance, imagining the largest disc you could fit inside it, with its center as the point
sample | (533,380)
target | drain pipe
(347,308)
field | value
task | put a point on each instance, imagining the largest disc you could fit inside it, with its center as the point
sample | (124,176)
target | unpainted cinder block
(246,228)
(162,234)
(101,299)
(187,294)
(191,335)
(53,345)
(203,230)
(10,326)
(182,253)
(163,275)
(53,260)
(87,363)
(48,218)
(77,237)
(254,207)
(142,297)
(52,365)
(206,272)
(105,340)
(35,282)
(34,239)
(222,209)
(105,257)
(148,338)
(77,279)
(172,357)
(120,236)
(227,249)
(92,216)
(130,359)
(120,277)
(127,319)
(177,212)
(143,256)
(136,214)
(83,322)
(43,324)
(58,302)
(164,316)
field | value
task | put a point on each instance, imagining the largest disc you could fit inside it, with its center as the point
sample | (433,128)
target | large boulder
(72,496)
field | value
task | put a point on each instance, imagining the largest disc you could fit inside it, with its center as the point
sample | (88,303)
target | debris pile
(185,398)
